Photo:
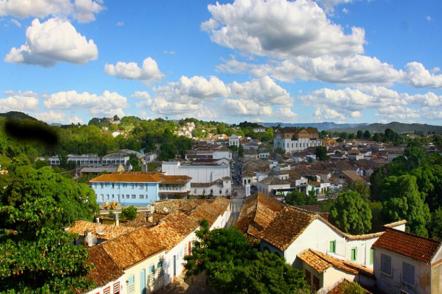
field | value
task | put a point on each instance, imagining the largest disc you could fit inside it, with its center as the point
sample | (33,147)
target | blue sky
(256,60)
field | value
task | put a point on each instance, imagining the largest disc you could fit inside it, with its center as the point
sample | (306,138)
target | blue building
(138,188)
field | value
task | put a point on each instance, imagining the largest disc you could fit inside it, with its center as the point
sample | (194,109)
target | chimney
(97,220)
(117,219)
(90,239)
(150,219)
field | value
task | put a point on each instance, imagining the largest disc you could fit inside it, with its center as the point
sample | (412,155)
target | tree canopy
(351,213)
(37,254)
(233,265)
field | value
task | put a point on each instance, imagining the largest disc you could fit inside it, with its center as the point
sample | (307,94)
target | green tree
(404,201)
(300,198)
(233,265)
(436,225)
(321,153)
(129,212)
(366,135)
(134,162)
(38,256)
(351,213)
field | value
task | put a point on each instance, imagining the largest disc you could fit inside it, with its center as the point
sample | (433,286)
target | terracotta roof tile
(105,269)
(287,226)
(100,230)
(141,177)
(321,261)
(418,248)
(123,251)
(257,213)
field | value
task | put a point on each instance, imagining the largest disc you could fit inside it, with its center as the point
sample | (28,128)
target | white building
(148,258)
(292,140)
(84,159)
(406,263)
(207,179)
(234,141)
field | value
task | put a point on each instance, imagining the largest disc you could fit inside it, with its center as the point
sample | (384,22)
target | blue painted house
(138,188)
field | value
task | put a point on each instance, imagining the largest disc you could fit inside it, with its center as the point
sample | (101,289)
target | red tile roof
(257,213)
(140,177)
(417,248)
(320,262)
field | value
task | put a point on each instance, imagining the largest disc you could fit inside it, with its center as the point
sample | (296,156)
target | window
(152,269)
(134,196)
(354,253)
(116,287)
(386,264)
(408,273)
(371,256)
(141,196)
(332,246)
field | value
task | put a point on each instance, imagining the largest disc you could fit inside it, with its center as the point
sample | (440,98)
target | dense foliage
(233,265)
(129,213)
(410,187)
(37,254)
(351,212)
(300,198)
(321,153)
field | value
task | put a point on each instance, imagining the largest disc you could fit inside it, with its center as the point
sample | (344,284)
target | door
(143,281)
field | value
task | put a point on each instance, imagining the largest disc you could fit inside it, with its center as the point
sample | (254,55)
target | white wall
(198,173)
(317,236)
(392,284)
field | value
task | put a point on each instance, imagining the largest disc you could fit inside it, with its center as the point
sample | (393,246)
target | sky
(66,61)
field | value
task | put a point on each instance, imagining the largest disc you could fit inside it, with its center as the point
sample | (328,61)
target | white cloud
(106,104)
(280,28)
(19,101)
(53,41)
(193,88)
(58,117)
(148,72)
(263,90)
(419,76)
(387,103)
(355,114)
(81,10)
(398,112)
(322,113)
(247,107)
(16,23)
(211,97)
(350,69)
(329,5)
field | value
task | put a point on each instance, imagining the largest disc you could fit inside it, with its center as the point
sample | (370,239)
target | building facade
(293,140)
(138,188)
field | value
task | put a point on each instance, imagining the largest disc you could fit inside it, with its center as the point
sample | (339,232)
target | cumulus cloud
(53,41)
(387,103)
(323,113)
(106,104)
(280,28)
(329,5)
(80,10)
(58,117)
(193,89)
(196,95)
(147,72)
(19,101)
(419,76)
(263,90)
(349,69)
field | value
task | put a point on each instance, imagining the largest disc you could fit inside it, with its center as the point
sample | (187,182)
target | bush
(129,213)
